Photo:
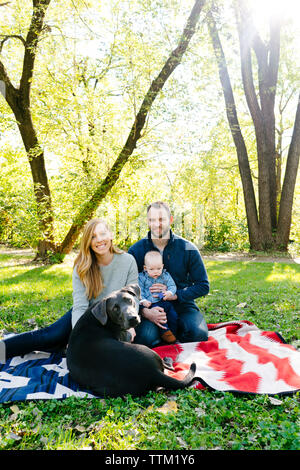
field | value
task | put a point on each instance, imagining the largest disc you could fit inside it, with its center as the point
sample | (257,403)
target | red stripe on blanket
(273,336)
(238,356)
(172,350)
(180,371)
(231,368)
(282,365)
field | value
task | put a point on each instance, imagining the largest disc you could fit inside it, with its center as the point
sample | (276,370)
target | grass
(265,293)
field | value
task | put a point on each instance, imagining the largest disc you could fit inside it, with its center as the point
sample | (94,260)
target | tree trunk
(40,184)
(288,187)
(242,155)
(19,101)
(265,232)
(262,112)
(88,210)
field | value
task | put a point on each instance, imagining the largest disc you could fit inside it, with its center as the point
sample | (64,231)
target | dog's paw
(168,363)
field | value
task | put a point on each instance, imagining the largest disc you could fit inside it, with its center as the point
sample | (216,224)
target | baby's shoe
(168,337)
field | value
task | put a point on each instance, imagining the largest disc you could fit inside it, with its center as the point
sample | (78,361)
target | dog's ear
(99,311)
(132,289)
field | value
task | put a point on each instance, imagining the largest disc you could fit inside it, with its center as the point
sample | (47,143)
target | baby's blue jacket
(145,282)
(182,260)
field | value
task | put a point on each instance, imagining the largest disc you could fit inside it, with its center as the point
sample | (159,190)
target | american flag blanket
(238,357)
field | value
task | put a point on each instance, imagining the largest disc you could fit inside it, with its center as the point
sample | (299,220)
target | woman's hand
(156,315)
(146,303)
(133,333)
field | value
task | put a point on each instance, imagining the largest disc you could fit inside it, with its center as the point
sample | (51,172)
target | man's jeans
(191,327)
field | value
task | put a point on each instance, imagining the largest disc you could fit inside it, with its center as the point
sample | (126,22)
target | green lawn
(268,294)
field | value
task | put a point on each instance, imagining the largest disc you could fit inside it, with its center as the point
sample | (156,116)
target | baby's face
(154,269)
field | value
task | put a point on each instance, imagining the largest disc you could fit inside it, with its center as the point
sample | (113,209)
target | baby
(154,273)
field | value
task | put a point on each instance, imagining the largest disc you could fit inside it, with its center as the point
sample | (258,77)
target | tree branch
(267,58)
(31,42)
(135,133)
(10,93)
(246,35)
(274,54)
(9,36)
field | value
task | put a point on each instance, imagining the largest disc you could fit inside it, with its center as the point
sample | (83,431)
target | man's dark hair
(159,205)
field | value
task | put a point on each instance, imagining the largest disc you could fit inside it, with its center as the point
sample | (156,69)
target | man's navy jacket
(182,260)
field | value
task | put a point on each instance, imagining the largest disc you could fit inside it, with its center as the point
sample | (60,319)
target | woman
(99,269)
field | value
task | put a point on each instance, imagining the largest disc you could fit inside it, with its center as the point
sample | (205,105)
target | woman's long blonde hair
(86,261)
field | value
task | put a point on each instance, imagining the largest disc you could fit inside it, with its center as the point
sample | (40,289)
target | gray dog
(99,359)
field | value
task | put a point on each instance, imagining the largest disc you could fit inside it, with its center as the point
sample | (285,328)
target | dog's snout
(133,320)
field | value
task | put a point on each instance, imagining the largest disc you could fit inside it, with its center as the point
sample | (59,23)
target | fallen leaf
(36,429)
(13,417)
(150,408)
(15,409)
(96,426)
(14,436)
(80,428)
(274,401)
(200,412)
(181,442)
(44,440)
(242,305)
(36,412)
(168,407)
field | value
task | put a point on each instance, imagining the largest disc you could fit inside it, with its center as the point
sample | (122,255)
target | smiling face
(101,241)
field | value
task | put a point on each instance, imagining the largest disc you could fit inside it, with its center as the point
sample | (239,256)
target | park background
(108,106)
(76,142)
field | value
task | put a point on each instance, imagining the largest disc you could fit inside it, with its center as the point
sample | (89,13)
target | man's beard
(163,234)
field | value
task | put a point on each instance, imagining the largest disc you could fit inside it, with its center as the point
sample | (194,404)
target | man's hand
(156,315)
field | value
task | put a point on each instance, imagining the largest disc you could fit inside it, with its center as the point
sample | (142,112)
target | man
(183,261)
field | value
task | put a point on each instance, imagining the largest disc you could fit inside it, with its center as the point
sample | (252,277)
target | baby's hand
(169,296)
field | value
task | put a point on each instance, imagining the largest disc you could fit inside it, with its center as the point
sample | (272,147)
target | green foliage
(94,65)
(203,420)
(182,420)
(226,235)
(18,221)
